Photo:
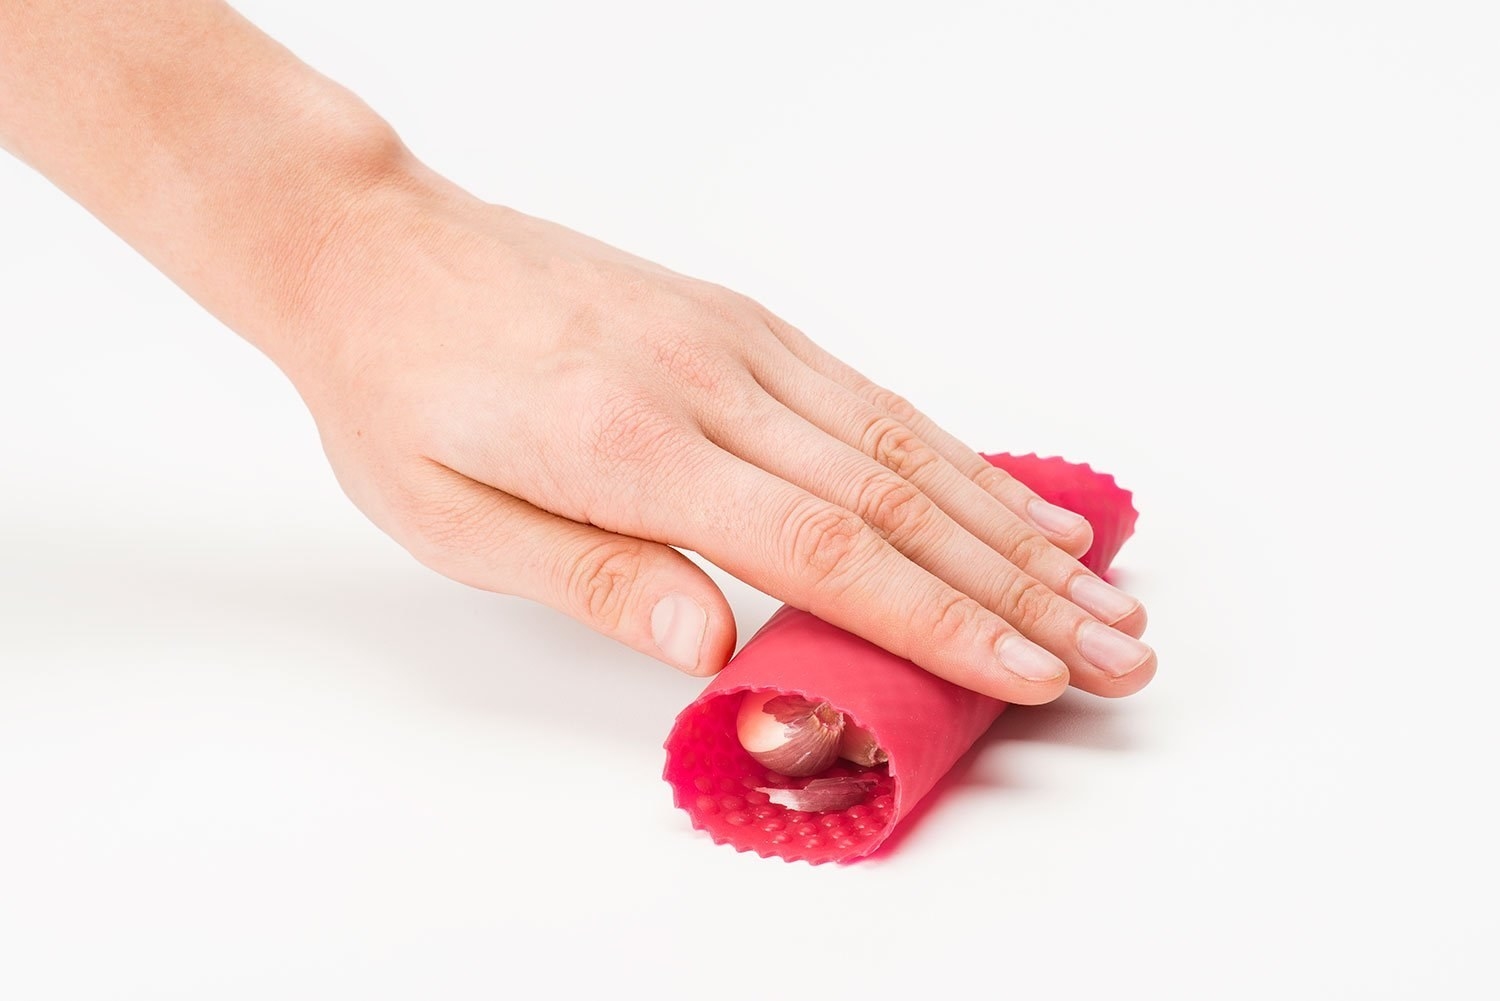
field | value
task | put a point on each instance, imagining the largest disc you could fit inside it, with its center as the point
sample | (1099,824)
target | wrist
(329,280)
(315,213)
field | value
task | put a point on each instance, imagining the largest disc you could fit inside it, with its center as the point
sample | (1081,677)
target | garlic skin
(858,745)
(822,795)
(789,734)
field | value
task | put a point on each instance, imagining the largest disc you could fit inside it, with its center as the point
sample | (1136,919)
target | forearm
(204,144)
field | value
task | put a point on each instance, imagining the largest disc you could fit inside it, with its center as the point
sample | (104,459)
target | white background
(1242,255)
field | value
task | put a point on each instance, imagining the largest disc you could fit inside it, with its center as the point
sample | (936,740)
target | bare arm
(203,143)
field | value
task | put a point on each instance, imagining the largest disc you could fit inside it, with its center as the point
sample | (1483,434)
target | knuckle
(694,361)
(601,579)
(784,331)
(1025,547)
(1027,603)
(897,447)
(956,619)
(629,427)
(895,508)
(893,403)
(994,479)
(821,540)
(726,304)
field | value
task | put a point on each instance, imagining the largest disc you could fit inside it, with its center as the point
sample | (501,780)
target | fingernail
(1108,603)
(1020,656)
(677,625)
(1051,518)
(1110,650)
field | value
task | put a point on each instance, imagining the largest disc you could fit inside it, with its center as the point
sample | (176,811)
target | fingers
(857,417)
(912,521)
(899,447)
(1065,529)
(644,594)
(824,558)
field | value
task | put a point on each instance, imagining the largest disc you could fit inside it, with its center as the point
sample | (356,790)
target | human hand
(532,412)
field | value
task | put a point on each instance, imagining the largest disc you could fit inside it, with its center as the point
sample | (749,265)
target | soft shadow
(352,610)
(349,615)
(356,617)
(1075,720)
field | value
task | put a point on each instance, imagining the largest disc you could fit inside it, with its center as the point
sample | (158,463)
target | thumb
(644,594)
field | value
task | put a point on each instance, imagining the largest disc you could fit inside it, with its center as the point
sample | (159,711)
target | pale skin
(530,411)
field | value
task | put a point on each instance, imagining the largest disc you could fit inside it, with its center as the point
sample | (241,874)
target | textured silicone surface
(924,724)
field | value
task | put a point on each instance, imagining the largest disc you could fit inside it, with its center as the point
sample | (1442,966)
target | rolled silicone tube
(923,723)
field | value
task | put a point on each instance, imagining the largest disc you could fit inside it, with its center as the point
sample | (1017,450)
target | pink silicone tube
(923,723)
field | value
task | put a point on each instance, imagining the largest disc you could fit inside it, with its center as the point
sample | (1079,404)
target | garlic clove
(789,734)
(823,795)
(858,745)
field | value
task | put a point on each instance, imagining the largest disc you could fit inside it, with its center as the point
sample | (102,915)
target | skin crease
(533,412)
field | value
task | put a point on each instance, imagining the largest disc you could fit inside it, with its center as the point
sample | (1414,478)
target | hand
(532,412)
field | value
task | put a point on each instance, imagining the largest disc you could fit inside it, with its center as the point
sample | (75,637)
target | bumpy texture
(924,723)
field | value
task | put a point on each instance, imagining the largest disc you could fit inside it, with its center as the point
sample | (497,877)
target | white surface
(1241,255)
